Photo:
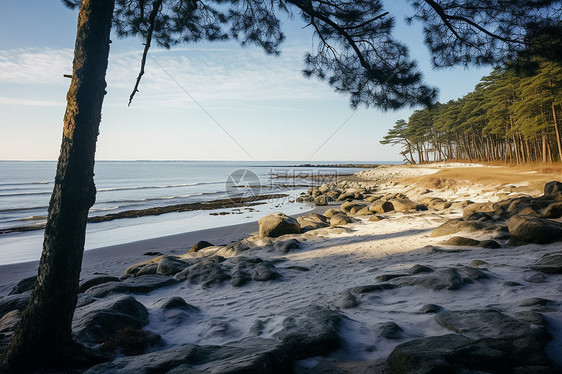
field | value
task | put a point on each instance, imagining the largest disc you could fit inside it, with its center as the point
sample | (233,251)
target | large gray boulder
(534,229)
(98,321)
(277,224)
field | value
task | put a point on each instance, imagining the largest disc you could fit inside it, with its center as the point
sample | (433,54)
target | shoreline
(95,261)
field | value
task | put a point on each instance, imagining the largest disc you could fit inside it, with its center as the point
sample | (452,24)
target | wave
(24,209)
(33,218)
(142,200)
(26,194)
(149,187)
(24,183)
(93,210)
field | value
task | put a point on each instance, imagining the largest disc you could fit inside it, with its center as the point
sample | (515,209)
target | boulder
(174,302)
(489,244)
(478,207)
(381,206)
(356,208)
(321,200)
(265,271)
(24,285)
(331,212)
(340,220)
(401,205)
(347,206)
(140,285)
(86,285)
(240,278)
(549,264)
(461,241)
(206,273)
(170,265)
(97,322)
(389,330)
(444,279)
(553,210)
(458,225)
(277,224)
(312,222)
(14,302)
(200,245)
(534,229)
(553,191)
(439,204)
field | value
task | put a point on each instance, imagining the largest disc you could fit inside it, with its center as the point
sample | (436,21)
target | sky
(196,102)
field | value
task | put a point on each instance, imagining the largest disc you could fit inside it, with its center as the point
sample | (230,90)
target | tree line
(512,115)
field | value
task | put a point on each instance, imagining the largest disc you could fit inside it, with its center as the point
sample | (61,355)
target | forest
(511,116)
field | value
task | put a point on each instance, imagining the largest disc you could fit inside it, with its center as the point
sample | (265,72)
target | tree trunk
(44,333)
(557,132)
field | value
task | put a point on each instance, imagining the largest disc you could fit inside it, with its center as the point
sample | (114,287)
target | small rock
(9,321)
(401,205)
(553,191)
(200,245)
(389,330)
(174,302)
(536,301)
(461,241)
(340,220)
(265,272)
(478,208)
(430,309)
(312,222)
(489,244)
(554,210)
(536,278)
(170,265)
(512,284)
(240,278)
(477,263)
(456,225)
(419,269)
(286,246)
(381,206)
(549,264)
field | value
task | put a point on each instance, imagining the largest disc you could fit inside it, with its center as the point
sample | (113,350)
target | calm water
(25,189)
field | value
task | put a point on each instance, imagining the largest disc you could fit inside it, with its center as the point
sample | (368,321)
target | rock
(340,220)
(332,212)
(174,302)
(147,269)
(14,302)
(401,205)
(347,207)
(346,300)
(310,331)
(356,209)
(387,277)
(170,265)
(477,324)
(549,264)
(426,355)
(480,216)
(476,263)
(536,278)
(97,322)
(553,191)
(374,218)
(457,225)
(419,269)
(140,285)
(373,288)
(430,309)
(364,212)
(461,241)
(535,230)
(447,279)
(487,341)
(312,222)
(131,341)
(554,210)
(478,207)
(321,200)
(9,321)
(536,301)
(240,278)
(381,206)
(277,224)
(265,272)
(389,330)
(489,244)
(24,285)
(86,285)
(199,246)
(438,204)
(286,246)
(206,273)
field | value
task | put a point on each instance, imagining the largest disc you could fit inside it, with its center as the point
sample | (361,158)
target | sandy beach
(345,298)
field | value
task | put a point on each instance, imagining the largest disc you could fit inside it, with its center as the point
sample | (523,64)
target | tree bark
(557,132)
(45,331)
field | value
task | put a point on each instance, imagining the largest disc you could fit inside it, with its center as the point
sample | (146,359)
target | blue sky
(263,102)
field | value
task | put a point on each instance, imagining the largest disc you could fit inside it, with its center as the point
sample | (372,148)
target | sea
(26,187)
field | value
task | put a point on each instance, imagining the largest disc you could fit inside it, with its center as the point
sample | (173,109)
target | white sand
(338,262)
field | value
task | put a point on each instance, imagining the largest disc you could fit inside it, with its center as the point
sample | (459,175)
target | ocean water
(25,189)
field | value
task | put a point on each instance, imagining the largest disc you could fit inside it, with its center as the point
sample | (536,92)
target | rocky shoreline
(389,279)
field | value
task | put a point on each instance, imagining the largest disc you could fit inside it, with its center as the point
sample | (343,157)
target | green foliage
(508,116)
